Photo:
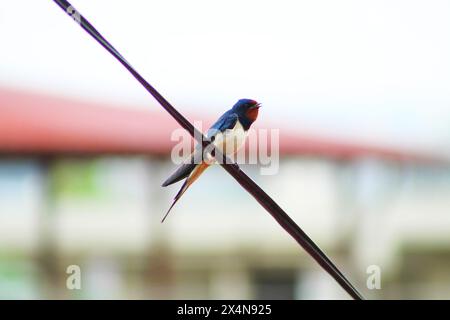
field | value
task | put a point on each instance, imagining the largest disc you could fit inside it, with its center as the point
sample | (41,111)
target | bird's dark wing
(226,121)
(183,171)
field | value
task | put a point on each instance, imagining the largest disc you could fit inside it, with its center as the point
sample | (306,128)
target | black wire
(232,168)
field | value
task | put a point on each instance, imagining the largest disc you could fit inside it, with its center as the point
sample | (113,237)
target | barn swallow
(231,129)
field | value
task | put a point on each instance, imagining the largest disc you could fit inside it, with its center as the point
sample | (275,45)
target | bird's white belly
(231,140)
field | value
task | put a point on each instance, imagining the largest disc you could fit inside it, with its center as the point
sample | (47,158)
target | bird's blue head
(247,110)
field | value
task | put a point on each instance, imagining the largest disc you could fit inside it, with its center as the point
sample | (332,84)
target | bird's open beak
(256,106)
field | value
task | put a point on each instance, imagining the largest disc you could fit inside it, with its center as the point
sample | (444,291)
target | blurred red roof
(43,124)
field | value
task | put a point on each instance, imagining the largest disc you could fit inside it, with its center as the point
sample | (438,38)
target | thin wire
(232,168)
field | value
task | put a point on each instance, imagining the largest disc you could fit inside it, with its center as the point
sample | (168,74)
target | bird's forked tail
(187,183)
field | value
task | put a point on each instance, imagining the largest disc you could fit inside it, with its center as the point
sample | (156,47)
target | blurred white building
(80,185)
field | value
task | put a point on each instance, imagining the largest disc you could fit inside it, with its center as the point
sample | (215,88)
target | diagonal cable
(232,168)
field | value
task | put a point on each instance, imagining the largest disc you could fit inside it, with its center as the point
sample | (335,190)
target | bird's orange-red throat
(252,113)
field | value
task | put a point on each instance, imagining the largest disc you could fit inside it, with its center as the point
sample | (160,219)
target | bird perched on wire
(227,134)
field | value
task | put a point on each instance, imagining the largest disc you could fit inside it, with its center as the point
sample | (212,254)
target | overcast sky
(375,71)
